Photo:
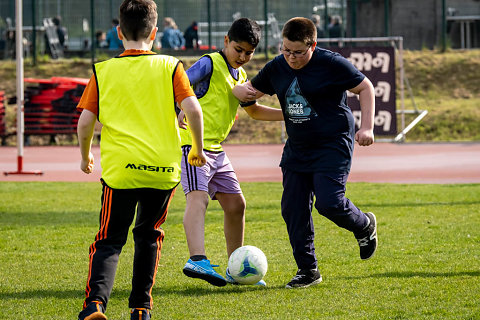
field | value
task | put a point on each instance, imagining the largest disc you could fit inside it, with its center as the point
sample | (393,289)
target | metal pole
(325,18)
(34,35)
(265,13)
(354,19)
(209,18)
(402,77)
(444,26)
(387,18)
(20,86)
(92,29)
(111,10)
(20,93)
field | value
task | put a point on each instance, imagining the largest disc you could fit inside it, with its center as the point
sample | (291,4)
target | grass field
(427,265)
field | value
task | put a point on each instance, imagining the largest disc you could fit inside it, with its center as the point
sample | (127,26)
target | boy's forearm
(262,112)
(366,95)
(367,107)
(194,115)
(85,128)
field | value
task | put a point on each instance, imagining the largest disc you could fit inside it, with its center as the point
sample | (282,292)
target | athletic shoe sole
(305,285)
(209,278)
(96,316)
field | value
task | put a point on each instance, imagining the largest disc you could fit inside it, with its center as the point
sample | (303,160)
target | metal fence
(214,16)
(454,21)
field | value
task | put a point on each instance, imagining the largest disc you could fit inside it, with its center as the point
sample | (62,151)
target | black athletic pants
(299,190)
(116,216)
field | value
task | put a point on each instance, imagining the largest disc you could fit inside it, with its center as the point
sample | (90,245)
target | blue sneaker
(230,280)
(204,270)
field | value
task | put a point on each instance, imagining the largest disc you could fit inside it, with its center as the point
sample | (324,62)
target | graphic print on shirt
(297,108)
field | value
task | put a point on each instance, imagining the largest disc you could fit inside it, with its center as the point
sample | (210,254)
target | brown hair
(138,18)
(300,29)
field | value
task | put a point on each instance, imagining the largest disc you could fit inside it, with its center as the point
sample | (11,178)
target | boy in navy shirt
(311,85)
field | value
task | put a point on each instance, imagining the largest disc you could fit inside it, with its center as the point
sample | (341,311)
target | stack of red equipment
(50,105)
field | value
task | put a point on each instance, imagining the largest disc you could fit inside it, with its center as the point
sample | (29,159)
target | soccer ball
(247,265)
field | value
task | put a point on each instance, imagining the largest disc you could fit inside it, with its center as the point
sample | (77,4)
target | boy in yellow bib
(133,96)
(213,76)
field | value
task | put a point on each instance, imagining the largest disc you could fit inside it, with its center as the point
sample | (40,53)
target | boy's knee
(329,206)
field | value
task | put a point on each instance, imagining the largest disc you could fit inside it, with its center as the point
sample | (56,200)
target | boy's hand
(182,120)
(245,92)
(364,137)
(196,158)
(88,165)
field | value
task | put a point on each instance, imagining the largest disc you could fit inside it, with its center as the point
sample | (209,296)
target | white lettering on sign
(382,119)
(364,61)
(382,90)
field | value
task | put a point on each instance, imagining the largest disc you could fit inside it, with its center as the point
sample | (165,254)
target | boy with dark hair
(311,85)
(213,76)
(133,96)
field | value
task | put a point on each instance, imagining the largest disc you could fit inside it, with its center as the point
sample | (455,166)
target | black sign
(378,65)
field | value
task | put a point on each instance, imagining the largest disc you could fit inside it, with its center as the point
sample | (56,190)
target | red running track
(382,162)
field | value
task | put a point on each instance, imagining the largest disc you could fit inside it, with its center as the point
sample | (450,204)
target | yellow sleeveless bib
(140,142)
(219,105)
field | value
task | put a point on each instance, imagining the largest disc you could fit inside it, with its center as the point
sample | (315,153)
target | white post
(20,86)
(20,92)
(401,81)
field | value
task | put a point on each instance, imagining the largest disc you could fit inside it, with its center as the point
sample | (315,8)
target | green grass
(427,265)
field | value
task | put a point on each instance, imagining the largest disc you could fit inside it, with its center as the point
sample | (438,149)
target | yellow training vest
(219,105)
(140,145)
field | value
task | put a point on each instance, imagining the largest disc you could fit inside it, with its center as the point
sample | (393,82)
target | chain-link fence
(213,17)
(423,24)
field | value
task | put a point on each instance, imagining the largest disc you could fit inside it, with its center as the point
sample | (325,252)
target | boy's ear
(226,40)
(153,34)
(120,34)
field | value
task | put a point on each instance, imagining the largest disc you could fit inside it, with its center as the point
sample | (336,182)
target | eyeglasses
(294,54)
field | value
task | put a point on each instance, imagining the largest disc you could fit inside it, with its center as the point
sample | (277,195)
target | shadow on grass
(124,293)
(417,204)
(205,291)
(413,274)
(35,294)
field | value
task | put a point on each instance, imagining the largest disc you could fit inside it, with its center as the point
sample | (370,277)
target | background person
(114,42)
(191,36)
(335,29)
(172,38)
(318,24)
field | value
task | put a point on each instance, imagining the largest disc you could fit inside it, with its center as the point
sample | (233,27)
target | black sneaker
(139,314)
(93,311)
(305,278)
(367,239)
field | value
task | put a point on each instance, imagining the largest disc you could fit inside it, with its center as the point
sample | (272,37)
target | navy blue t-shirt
(319,124)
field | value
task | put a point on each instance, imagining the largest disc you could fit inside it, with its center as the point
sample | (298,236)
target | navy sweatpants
(118,211)
(299,190)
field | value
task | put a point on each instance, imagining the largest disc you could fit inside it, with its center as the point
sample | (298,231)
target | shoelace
(363,242)
(298,277)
